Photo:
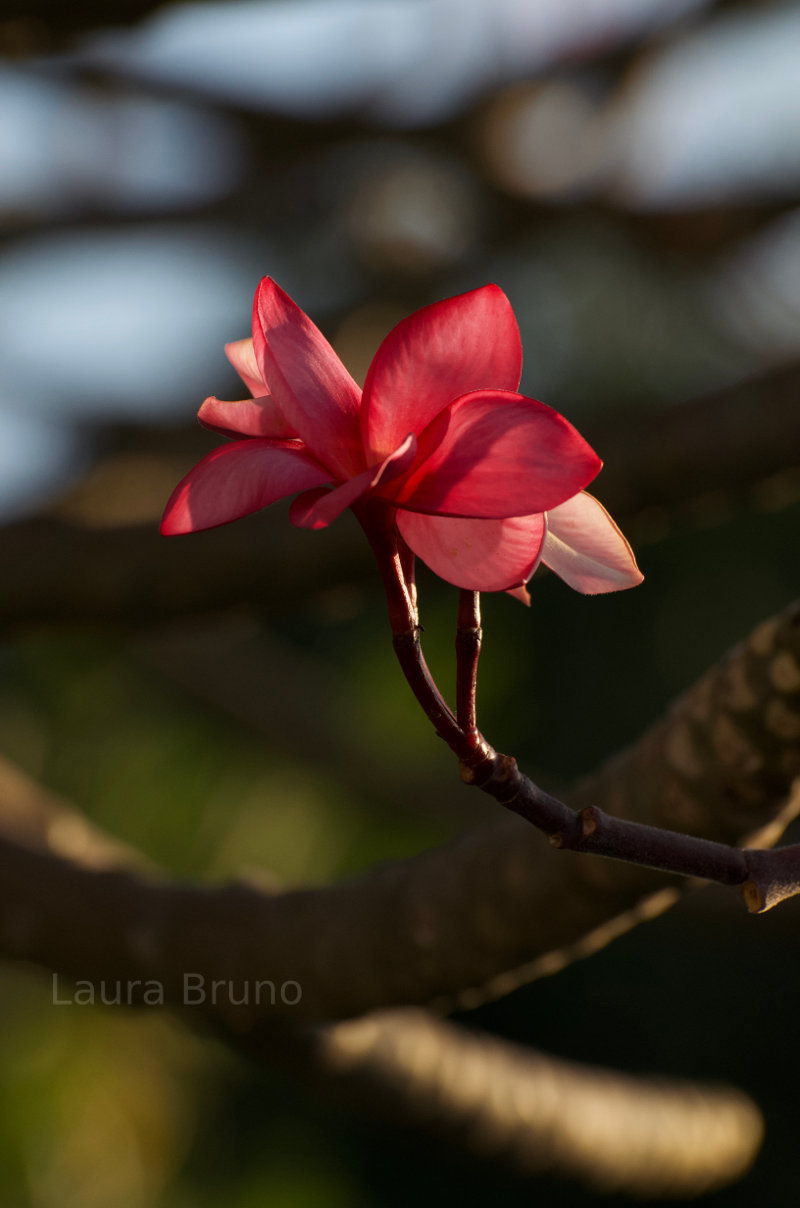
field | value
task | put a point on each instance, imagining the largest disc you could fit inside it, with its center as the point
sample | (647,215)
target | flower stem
(765,877)
(408,649)
(468,649)
(396,565)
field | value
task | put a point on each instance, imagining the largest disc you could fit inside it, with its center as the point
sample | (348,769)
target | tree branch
(39,820)
(530,1112)
(444,925)
(741,437)
(766,878)
(538,1114)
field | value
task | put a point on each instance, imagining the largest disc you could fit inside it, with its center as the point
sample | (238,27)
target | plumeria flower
(481,482)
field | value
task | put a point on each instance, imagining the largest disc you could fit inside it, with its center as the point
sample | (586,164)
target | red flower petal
(466,343)
(495,454)
(316,394)
(586,549)
(317,510)
(241,355)
(237,479)
(249,417)
(480,555)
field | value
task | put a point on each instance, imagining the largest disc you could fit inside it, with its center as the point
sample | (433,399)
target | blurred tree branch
(39,820)
(536,1113)
(528,1111)
(39,25)
(729,443)
(134,577)
(444,925)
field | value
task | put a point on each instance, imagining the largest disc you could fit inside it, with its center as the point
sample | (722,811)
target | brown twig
(468,648)
(767,878)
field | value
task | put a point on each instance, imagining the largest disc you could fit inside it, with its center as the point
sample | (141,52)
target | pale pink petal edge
(586,549)
(260,417)
(242,356)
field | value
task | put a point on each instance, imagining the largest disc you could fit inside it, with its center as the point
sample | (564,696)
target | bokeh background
(629,173)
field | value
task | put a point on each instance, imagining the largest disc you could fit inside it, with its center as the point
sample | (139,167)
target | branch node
(753,897)
(466,772)
(588,821)
(774,877)
(505,778)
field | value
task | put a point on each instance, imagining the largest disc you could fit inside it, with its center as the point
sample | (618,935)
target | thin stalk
(765,877)
(468,649)
(395,560)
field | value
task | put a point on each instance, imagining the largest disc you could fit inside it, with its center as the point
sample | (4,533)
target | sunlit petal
(241,355)
(248,417)
(586,549)
(462,344)
(316,394)
(237,479)
(480,555)
(495,454)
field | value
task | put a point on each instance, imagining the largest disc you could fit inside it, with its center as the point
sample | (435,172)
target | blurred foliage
(620,304)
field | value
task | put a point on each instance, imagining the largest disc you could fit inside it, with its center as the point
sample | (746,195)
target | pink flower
(483,483)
